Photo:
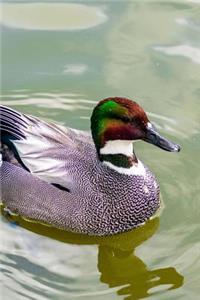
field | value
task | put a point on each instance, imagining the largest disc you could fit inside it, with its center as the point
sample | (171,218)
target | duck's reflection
(117,262)
(132,273)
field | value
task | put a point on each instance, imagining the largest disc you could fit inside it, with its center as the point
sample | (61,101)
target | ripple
(189,23)
(25,255)
(65,101)
(51,16)
(167,124)
(61,103)
(188,51)
(194,1)
(75,69)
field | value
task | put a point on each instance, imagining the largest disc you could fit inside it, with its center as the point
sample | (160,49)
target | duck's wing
(42,148)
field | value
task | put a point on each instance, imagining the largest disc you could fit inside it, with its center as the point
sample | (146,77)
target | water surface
(58,59)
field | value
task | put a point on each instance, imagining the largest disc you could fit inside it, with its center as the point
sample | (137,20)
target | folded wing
(43,148)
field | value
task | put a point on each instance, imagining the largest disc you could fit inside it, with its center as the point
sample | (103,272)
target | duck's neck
(119,156)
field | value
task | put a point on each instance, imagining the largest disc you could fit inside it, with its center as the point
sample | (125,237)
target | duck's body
(59,176)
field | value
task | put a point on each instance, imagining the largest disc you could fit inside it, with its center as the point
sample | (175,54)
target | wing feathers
(44,148)
(48,151)
(12,123)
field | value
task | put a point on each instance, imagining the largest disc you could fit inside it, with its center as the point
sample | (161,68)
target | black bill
(153,137)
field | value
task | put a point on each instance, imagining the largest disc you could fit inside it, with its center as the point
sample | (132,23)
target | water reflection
(119,266)
(131,272)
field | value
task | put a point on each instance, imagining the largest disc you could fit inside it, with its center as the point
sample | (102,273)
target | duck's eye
(126,119)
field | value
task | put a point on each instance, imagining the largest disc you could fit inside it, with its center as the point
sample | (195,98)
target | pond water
(58,60)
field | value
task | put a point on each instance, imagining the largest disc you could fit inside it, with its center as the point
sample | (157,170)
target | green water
(57,62)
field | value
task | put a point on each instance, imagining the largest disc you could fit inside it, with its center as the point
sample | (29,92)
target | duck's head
(117,122)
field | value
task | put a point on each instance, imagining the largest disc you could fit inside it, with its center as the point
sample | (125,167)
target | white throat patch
(118,147)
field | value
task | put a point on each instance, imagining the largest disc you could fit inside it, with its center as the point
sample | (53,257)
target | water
(58,60)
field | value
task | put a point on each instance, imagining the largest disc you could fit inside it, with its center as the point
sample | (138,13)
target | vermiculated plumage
(53,175)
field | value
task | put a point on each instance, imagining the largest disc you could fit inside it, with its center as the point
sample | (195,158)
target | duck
(84,182)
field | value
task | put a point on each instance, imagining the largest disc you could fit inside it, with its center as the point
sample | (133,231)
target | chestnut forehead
(131,106)
(136,111)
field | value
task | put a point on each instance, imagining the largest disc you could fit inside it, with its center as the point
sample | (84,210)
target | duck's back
(53,174)
(50,152)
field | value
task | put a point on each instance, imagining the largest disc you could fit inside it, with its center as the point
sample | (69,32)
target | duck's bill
(153,137)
